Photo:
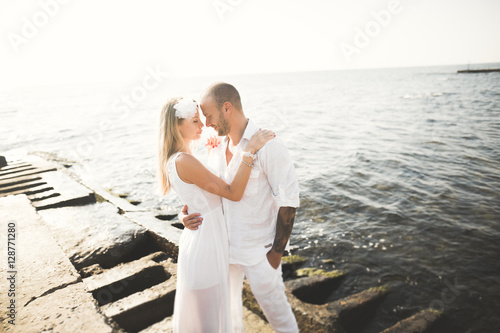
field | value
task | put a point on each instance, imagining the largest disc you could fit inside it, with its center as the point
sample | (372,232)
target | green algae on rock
(294,259)
(318,271)
(328,261)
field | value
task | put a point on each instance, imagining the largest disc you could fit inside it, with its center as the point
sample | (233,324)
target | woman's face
(191,128)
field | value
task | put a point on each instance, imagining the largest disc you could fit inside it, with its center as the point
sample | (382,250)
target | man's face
(214,117)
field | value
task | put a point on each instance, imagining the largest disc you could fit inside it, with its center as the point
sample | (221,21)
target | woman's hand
(258,140)
(212,142)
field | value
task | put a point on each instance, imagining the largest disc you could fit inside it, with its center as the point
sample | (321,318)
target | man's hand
(191,221)
(274,258)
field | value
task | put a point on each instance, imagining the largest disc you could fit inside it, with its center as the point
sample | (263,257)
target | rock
(314,289)
(354,310)
(167,217)
(125,279)
(142,309)
(14,171)
(10,182)
(254,323)
(71,192)
(337,316)
(12,166)
(16,176)
(43,195)
(294,259)
(3,161)
(289,264)
(417,323)
(164,326)
(96,234)
(70,309)
(45,186)
(49,293)
(165,235)
(24,188)
(318,271)
(106,195)
(91,270)
(42,264)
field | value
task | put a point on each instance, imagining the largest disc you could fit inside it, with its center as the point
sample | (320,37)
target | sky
(49,42)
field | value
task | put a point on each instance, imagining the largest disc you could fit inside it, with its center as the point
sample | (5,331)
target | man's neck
(237,130)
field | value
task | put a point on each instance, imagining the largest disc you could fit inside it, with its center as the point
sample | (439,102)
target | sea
(399,171)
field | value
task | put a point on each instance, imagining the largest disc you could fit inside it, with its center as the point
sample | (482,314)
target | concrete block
(49,292)
(40,262)
(418,323)
(70,309)
(166,236)
(71,192)
(95,234)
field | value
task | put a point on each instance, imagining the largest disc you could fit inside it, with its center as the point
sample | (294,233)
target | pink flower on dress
(213,142)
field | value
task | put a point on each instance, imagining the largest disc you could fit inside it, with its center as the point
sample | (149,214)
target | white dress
(202,296)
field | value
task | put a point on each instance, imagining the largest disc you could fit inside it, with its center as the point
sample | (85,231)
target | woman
(202,296)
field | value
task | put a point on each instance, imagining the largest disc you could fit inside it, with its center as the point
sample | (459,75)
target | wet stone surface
(95,234)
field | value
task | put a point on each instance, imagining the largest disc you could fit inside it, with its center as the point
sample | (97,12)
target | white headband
(185,108)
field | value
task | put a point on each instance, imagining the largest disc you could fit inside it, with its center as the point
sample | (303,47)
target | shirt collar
(250,130)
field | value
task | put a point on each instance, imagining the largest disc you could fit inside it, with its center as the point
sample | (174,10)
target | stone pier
(89,261)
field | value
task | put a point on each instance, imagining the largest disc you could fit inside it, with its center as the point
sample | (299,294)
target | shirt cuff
(288,202)
(284,200)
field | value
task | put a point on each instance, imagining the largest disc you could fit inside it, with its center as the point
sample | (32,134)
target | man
(259,225)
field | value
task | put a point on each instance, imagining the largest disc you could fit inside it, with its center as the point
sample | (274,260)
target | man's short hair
(223,92)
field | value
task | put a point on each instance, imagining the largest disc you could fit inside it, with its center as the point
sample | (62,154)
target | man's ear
(227,107)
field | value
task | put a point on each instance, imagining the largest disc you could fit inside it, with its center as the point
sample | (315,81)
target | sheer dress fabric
(202,297)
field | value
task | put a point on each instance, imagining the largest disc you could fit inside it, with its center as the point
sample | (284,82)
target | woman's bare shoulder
(185,159)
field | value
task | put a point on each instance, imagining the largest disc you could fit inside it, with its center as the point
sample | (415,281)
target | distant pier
(479,70)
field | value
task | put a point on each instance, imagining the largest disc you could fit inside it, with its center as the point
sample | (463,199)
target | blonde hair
(170,142)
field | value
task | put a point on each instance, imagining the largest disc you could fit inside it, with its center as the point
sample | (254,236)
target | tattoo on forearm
(284,226)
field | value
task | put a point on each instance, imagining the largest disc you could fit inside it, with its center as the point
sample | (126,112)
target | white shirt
(251,222)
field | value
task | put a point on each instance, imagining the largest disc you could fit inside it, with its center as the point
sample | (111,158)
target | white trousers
(268,288)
